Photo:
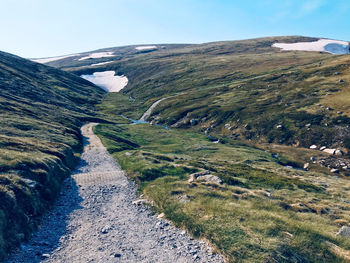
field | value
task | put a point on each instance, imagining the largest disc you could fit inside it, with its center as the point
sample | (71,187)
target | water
(144,122)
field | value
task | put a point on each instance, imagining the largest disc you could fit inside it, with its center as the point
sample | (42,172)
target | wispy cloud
(310,6)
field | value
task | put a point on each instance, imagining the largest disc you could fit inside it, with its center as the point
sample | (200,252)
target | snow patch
(46,60)
(146,47)
(322,45)
(102,63)
(98,55)
(107,80)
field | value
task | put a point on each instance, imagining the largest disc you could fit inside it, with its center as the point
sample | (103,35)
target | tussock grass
(263,212)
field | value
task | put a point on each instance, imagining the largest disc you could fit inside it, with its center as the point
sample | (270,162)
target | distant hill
(249,85)
(41,111)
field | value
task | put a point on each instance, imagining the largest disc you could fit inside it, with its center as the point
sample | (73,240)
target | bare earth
(94,220)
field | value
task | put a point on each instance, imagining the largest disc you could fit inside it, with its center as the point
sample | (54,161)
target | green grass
(262,213)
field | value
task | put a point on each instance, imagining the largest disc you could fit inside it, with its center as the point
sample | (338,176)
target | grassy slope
(41,111)
(263,212)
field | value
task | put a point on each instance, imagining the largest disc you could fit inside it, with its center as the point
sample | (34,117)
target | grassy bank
(263,212)
(41,111)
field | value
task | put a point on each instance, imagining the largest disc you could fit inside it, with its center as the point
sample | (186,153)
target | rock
(339,152)
(313,146)
(334,170)
(127,153)
(308,125)
(184,199)
(312,159)
(306,166)
(322,148)
(341,81)
(193,122)
(204,176)
(227,126)
(330,151)
(210,179)
(105,229)
(336,73)
(329,108)
(45,256)
(117,255)
(274,155)
(161,215)
(339,112)
(344,231)
(279,126)
(140,202)
(345,167)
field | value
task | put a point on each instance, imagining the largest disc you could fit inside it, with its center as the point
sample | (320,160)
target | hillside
(229,156)
(41,111)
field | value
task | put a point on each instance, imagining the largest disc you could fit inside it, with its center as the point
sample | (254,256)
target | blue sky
(42,28)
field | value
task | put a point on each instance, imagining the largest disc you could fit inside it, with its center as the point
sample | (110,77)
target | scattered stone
(105,229)
(274,155)
(306,166)
(184,199)
(193,122)
(161,215)
(334,170)
(322,148)
(312,159)
(339,152)
(339,112)
(329,108)
(330,151)
(308,125)
(140,202)
(336,73)
(45,256)
(279,126)
(344,231)
(341,81)
(227,126)
(313,146)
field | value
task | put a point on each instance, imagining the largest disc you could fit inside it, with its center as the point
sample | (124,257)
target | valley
(230,147)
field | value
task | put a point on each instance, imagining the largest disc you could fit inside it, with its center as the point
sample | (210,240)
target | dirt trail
(95,220)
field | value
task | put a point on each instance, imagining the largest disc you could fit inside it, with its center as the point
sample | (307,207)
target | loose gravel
(96,219)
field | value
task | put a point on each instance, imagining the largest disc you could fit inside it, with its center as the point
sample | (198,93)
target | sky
(44,28)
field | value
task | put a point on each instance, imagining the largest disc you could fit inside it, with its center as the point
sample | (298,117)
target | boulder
(339,152)
(334,170)
(209,178)
(344,232)
(322,148)
(279,126)
(330,151)
(313,146)
(306,166)
(204,176)
(341,81)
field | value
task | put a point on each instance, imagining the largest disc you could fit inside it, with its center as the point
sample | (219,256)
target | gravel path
(148,113)
(95,220)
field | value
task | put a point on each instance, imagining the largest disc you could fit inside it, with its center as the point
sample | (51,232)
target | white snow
(146,47)
(107,80)
(98,55)
(102,63)
(46,60)
(322,45)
